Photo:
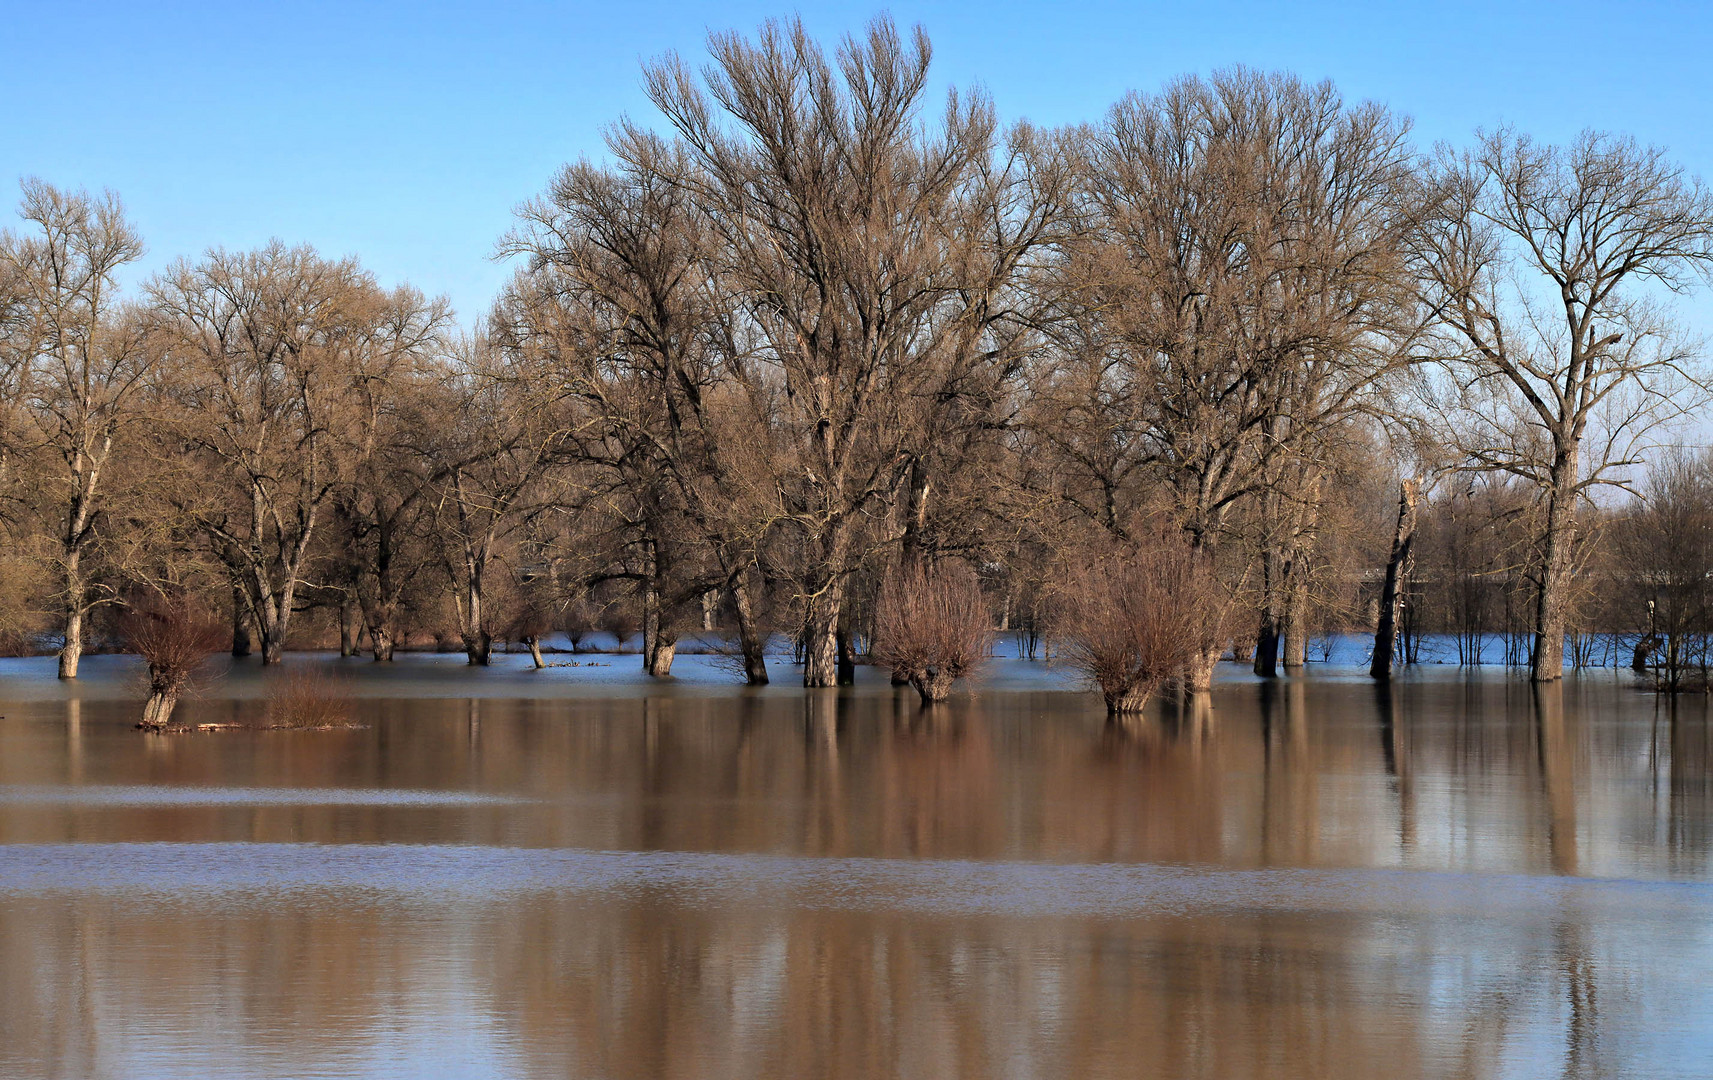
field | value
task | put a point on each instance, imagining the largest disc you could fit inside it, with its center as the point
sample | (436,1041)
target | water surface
(579,873)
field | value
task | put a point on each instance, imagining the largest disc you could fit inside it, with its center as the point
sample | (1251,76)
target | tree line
(817,357)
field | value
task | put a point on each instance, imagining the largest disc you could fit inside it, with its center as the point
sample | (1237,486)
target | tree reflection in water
(1492,884)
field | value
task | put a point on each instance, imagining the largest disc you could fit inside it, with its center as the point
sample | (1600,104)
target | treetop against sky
(408,133)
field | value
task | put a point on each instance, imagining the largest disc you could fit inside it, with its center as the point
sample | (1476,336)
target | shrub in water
(932,626)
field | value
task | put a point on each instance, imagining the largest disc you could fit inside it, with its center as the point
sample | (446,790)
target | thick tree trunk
(270,624)
(1397,572)
(750,638)
(932,684)
(1558,557)
(478,643)
(1129,701)
(820,636)
(534,644)
(158,709)
(1198,676)
(658,654)
(479,647)
(650,615)
(847,656)
(273,612)
(381,641)
(659,644)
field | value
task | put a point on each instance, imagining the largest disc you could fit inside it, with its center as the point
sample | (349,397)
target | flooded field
(573,872)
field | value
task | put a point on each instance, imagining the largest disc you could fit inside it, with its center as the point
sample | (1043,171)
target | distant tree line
(1234,368)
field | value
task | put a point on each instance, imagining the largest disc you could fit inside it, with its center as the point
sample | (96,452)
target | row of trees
(808,343)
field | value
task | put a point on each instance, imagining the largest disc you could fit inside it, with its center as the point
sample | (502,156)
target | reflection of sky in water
(933,886)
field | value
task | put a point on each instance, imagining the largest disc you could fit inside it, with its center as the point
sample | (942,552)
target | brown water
(1312,879)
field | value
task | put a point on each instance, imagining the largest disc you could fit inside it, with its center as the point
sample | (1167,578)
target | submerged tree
(1231,294)
(79,361)
(266,357)
(873,256)
(174,636)
(1133,621)
(931,627)
(1541,266)
(1665,550)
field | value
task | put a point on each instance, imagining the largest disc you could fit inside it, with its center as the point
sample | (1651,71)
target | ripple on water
(950,887)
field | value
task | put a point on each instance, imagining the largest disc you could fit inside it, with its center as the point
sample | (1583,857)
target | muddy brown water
(577,873)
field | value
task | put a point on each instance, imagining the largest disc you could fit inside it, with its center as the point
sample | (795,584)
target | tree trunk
(381,641)
(1268,630)
(1129,701)
(1197,676)
(932,684)
(158,709)
(847,656)
(1553,603)
(271,625)
(750,638)
(534,644)
(1296,637)
(72,651)
(242,645)
(479,647)
(1397,572)
(478,643)
(820,636)
(349,630)
(658,653)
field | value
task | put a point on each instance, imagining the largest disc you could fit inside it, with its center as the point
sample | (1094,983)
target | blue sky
(407,133)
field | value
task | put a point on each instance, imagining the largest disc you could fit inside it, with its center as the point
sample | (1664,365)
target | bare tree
(173,636)
(267,354)
(382,504)
(854,235)
(618,311)
(1542,266)
(486,461)
(80,362)
(1665,550)
(1231,294)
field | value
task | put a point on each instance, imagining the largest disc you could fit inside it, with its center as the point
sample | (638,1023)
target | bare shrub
(174,636)
(932,626)
(621,621)
(531,620)
(1133,621)
(308,698)
(577,621)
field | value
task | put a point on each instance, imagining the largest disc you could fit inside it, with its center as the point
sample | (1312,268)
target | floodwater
(575,873)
